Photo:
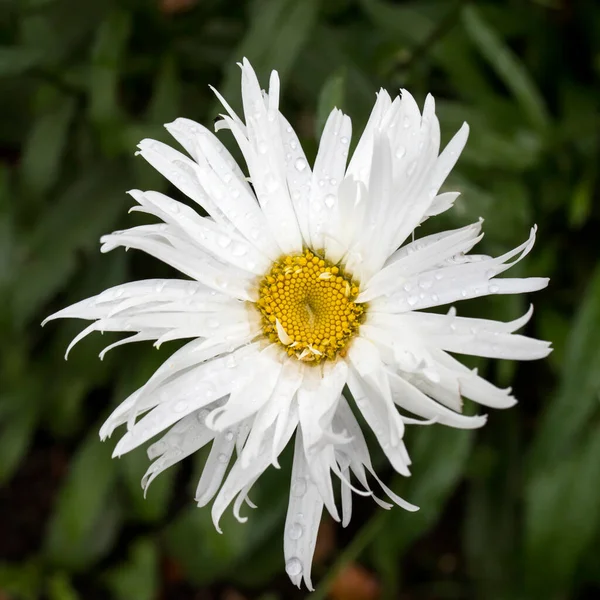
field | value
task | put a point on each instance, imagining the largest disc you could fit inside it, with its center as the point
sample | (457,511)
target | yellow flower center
(307,305)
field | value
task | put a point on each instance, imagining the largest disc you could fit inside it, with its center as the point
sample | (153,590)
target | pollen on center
(308,306)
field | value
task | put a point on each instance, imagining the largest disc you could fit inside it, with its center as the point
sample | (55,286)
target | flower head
(301,282)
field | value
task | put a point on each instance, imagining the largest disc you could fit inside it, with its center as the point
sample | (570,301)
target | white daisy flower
(301,283)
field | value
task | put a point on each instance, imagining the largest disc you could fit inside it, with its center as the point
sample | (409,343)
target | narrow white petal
(327,174)
(317,404)
(303,518)
(241,476)
(215,467)
(252,387)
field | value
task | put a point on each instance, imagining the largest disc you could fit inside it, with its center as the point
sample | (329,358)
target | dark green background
(508,512)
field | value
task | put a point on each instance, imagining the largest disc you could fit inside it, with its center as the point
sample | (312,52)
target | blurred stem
(437,33)
(361,540)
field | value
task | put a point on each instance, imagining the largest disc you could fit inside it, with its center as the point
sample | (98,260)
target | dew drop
(180,406)
(295,531)
(493,289)
(239,250)
(174,207)
(223,241)
(271,183)
(400,152)
(406,123)
(222,458)
(344,140)
(329,200)
(300,164)
(299,487)
(293,567)
(412,300)
(229,436)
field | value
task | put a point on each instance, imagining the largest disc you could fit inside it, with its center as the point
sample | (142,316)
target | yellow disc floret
(308,306)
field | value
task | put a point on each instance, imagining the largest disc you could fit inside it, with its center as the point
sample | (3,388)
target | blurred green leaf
(569,413)
(332,96)
(75,221)
(195,544)
(274,39)
(23,580)
(167,91)
(562,518)
(106,66)
(43,150)
(154,505)
(138,577)
(84,519)
(491,529)
(507,66)
(61,588)
(582,200)
(17,427)
(17,60)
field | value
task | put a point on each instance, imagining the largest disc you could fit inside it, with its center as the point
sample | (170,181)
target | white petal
(299,175)
(378,410)
(266,160)
(326,177)
(184,394)
(411,398)
(302,522)
(449,283)
(358,455)
(276,410)
(216,466)
(317,404)
(184,438)
(419,257)
(241,476)
(189,260)
(220,241)
(252,388)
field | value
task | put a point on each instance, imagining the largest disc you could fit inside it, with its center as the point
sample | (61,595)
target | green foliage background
(514,509)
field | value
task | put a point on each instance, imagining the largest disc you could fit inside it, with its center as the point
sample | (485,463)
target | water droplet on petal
(295,531)
(223,241)
(299,487)
(223,458)
(493,289)
(239,250)
(300,164)
(344,140)
(406,123)
(229,436)
(329,200)
(180,406)
(400,152)
(293,567)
